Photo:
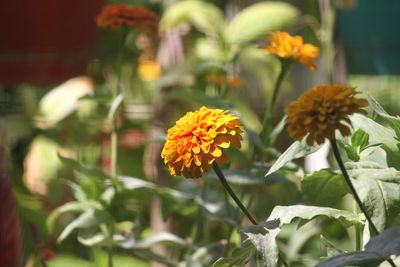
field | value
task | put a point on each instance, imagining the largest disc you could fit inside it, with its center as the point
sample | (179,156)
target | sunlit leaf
(160,238)
(63,100)
(204,16)
(73,206)
(296,150)
(265,238)
(258,20)
(379,190)
(87,219)
(377,133)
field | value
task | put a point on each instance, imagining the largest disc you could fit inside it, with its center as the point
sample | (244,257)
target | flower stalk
(353,191)
(224,182)
(266,126)
(350,185)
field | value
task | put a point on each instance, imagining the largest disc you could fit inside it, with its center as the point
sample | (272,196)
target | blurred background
(57,74)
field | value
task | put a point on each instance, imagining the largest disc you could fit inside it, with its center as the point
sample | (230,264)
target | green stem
(224,182)
(350,185)
(353,190)
(284,69)
(358,237)
(114,152)
(267,122)
(110,254)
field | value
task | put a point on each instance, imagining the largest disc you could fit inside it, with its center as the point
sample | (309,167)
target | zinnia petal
(198,139)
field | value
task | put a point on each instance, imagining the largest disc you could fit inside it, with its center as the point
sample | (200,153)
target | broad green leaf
(204,16)
(392,157)
(296,150)
(385,244)
(240,256)
(74,206)
(379,190)
(393,121)
(377,133)
(212,50)
(258,20)
(324,188)
(243,177)
(63,100)
(264,239)
(172,196)
(358,258)
(287,213)
(87,219)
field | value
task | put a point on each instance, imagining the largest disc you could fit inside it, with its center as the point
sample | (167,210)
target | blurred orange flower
(321,111)
(197,140)
(148,70)
(114,16)
(285,45)
(231,81)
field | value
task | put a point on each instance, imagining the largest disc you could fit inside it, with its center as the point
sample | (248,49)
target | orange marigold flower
(231,81)
(114,16)
(321,111)
(197,140)
(284,45)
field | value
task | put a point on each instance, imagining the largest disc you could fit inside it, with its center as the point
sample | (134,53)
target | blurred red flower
(114,16)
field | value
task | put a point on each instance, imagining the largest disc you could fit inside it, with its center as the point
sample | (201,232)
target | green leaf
(258,20)
(263,235)
(212,50)
(206,17)
(115,105)
(393,121)
(87,219)
(296,150)
(377,133)
(385,244)
(89,172)
(67,207)
(324,188)
(379,191)
(263,238)
(160,238)
(350,151)
(240,256)
(287,213)
(277,129)
(360,139)
(358,258)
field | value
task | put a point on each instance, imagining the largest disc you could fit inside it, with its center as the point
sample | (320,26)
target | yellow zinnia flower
(197,140)
(321,111)
(287,46)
